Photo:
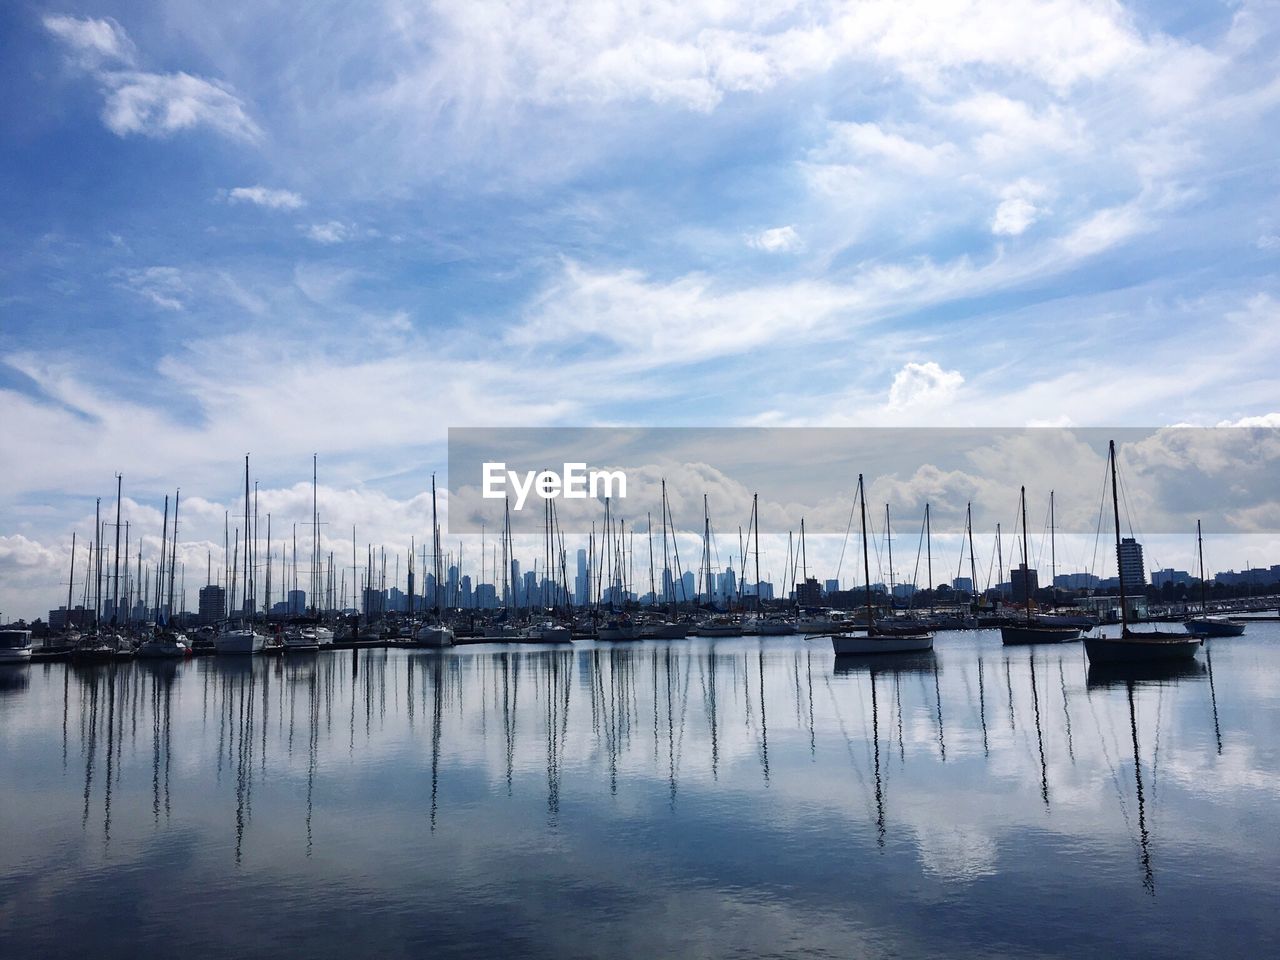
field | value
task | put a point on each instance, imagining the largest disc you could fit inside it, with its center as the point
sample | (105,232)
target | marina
(663,796)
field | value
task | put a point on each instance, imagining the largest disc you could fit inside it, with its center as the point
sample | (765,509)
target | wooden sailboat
(874,641)
(1205,625)
(1030,631)
(1133,646)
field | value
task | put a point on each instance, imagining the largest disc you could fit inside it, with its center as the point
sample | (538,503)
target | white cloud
(95,41)
(1268,241)
(870,142)
(923,384)
(776,240)
(266,197)
(1104,229)
(1017,209)
(334,231)
(151,104)
(165,287)
(159,104)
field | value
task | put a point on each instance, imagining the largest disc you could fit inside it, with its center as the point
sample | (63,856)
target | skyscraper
(1133,572)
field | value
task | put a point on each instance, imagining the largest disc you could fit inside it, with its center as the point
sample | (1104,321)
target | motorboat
(15,646)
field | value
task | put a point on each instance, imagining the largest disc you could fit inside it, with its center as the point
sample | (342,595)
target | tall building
(809,593)
(831,586)
(962,584)
(581,582)
(213,604)
(297,602)
(1133,573)
(1023,580)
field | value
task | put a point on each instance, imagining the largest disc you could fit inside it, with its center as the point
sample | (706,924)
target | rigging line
(915,573)
(1094,571)
(853,503)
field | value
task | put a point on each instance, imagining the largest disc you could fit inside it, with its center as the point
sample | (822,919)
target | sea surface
(730,797)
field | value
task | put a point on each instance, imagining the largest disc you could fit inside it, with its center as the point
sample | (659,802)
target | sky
(337,229)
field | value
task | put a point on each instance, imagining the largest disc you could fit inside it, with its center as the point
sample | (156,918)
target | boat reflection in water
(753,793)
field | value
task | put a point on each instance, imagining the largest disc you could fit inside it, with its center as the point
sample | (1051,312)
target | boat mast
(173,552)
(315,537)
(928,554)
(755,514)
(115,557)
(1115,506)
(1053,555)
(653,587)
(973,564)
(246,535)
(866,559)
(164,552)
(97,564)
(1026,556)
(888,539)
(1204,605)
(71,579)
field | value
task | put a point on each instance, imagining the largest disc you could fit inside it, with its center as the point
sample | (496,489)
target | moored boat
(239,641)
(167,645)
(435,635)
(15,646)
(1012,634)
(874,641)
(855,644)
(1213,627)
(1133,646)
(1205,625)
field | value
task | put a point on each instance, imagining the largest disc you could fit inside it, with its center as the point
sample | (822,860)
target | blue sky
(344,228)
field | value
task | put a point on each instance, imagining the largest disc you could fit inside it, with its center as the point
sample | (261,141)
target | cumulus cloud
(141,102)
(776,240)
(923,384)
(266,197)
(1017,209)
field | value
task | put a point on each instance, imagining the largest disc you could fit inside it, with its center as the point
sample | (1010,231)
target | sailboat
(434,633)
(166,643)
(874,641)
(1133,646)
(1205,625)
(1031,631)
(243,638)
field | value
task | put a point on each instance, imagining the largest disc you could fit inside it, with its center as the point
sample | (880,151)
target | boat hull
(435,638)
(163,651)
(1140,648)
(1017,634)
(720,631)
(239,643)
(1206,627)
(773,628)
(15,655)
(846,645)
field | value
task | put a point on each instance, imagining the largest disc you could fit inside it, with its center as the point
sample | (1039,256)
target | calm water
(726,797)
